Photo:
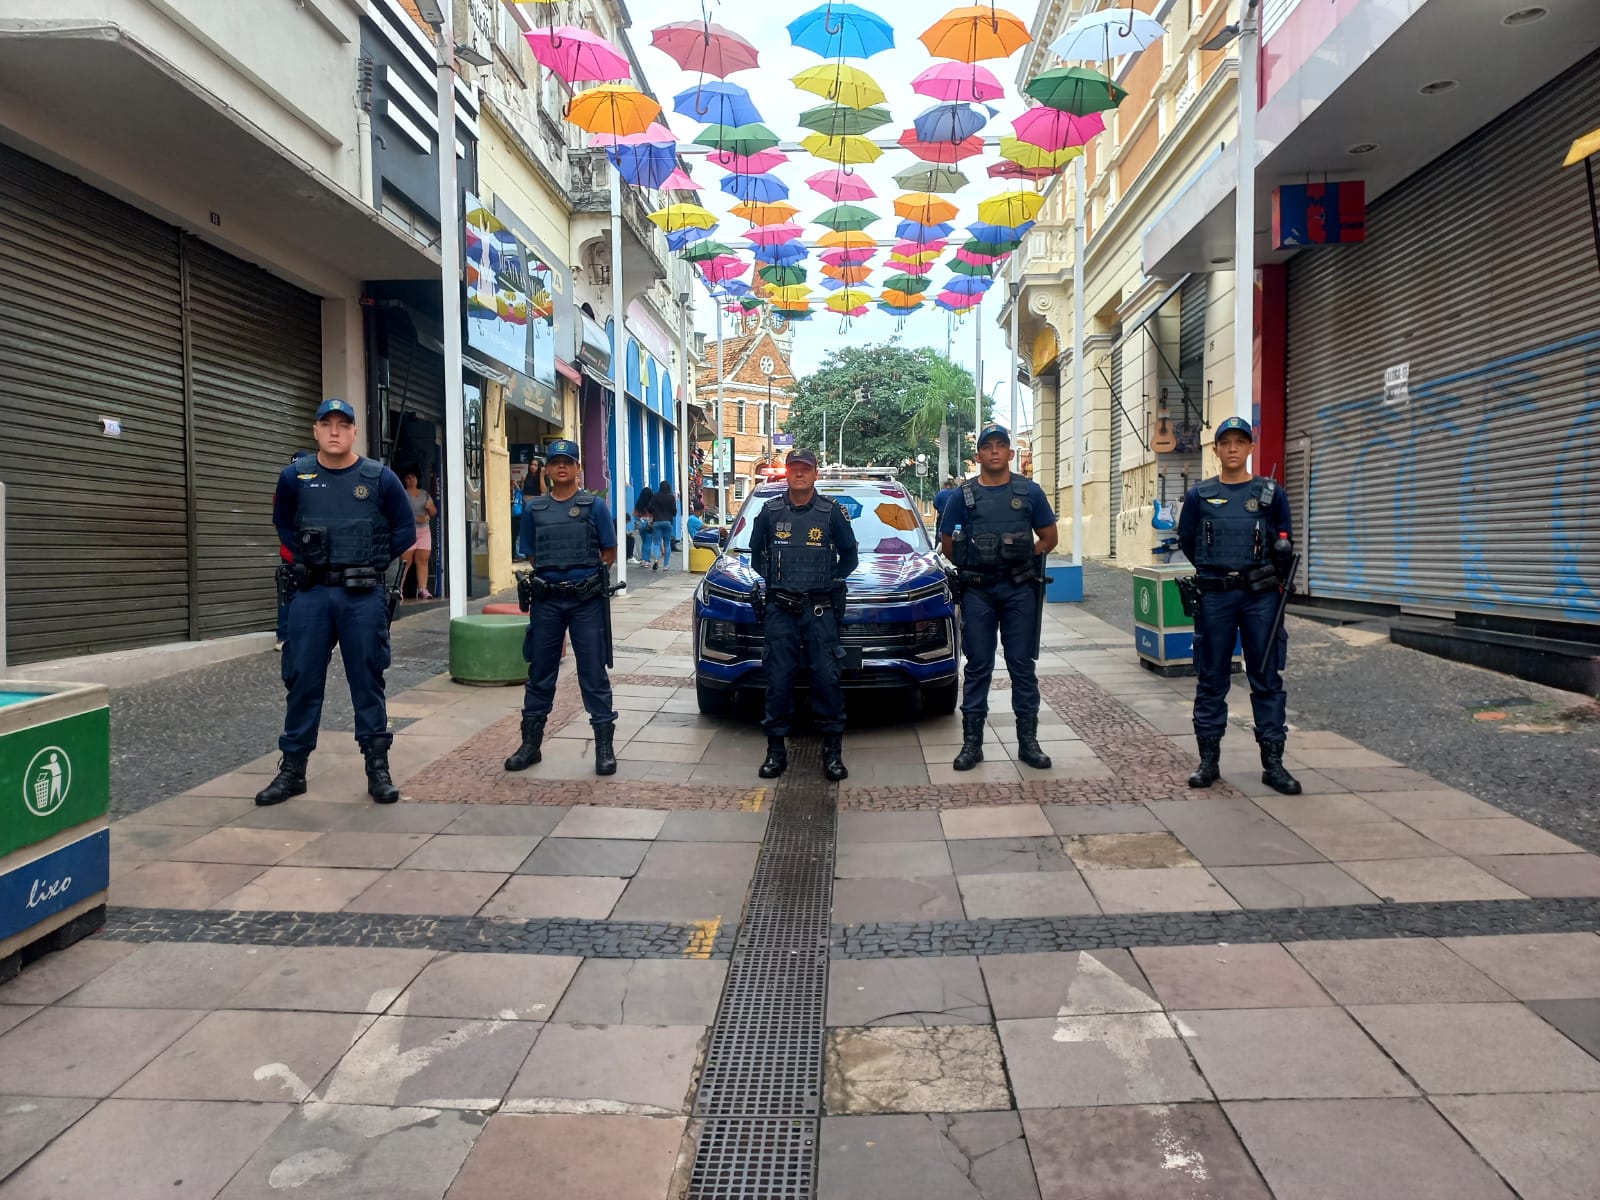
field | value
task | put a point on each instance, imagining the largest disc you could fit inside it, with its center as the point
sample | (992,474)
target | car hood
(876,572)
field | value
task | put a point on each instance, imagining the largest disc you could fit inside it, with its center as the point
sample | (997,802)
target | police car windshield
(880,514)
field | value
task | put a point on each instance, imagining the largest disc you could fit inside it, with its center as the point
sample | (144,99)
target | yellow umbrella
(1027,155)
(683,216)
(846,239)
(1010,208)
(976,32)
(613,108)
(794,294)
(916,259)
(925,208)
(896,516)
(846,150)
(840,82)
(757,213)
(844,301)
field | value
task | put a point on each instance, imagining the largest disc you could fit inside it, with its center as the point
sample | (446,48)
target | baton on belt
(1283,599)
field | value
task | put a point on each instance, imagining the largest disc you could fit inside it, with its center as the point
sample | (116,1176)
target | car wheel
(713,702)
(941,700)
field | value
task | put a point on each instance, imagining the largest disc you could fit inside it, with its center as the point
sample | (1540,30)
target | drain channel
(760,1094)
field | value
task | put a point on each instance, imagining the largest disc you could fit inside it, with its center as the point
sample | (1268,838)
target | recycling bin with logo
(1162,634)
(55,794)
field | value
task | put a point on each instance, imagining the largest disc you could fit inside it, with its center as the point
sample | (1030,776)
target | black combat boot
(379,785)
(289,781)
(525,755)
(1028,748)
(1210,768)
(1273,773)
(605,758)
(833,758)
(777,759)
(971,741)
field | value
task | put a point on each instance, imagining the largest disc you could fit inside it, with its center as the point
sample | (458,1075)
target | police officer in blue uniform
(344,518)
(569,536)
(996,529)
(804,549)
(1234,528)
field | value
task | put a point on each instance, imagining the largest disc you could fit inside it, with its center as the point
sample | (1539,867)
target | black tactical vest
(347,506)
(564,534)
(997,532)
(800,551)
(1235,529)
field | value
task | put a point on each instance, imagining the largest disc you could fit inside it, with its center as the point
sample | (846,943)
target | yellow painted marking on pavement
(703,938)
(755,799)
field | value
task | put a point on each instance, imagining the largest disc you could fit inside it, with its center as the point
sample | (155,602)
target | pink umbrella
(958,81)
(959,299)
(1006,169)
(758,163)
(723,268)
(1052,129)
(705,47)
(577,55)
(679,181)
(771,235)
(908,247)
(657,135)
(839,185)
(909,268)
(977,260)
(848,258)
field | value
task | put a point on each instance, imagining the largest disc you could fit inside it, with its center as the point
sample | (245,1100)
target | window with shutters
(741,416)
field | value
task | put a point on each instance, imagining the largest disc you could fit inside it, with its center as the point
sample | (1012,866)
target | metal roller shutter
(1117,421)
(255,348)
(90,328)
(416,377)
(1183,468)
(1480,492)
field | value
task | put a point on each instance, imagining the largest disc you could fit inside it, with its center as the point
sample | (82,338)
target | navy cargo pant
(1246,617)
(1003,612)
(810,637)
(358,623)
(584,623)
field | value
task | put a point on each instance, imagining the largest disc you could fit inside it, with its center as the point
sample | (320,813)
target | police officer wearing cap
(344,518)
(1234,528)
(996,529)
(804,549)
(570,538)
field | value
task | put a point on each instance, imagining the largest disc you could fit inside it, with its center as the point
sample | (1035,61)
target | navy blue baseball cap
(994,431)
(333,406)
(562,448)
(1235,425)
(801,457)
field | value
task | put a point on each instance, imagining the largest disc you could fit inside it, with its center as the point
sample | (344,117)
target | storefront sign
(1319,214)
(533,398)
(510,297)
(53,882)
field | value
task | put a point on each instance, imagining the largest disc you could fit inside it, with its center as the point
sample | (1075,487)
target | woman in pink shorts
(422,511)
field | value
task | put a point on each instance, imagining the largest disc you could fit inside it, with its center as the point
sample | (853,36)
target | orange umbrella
(848,274)
(899,299)
(775,213)
(925,208)
(613,108)
(976,32)
(846,239)
(895,516)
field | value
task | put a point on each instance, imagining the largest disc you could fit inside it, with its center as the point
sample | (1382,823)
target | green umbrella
(737,139)
(836,120)
(783,276)
(749,303)
(915,284)
(1076,90)
(704,250)
(851,218)
(940,180)
(977,270)
(989,248)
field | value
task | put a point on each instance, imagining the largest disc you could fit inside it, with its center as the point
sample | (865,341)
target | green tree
(940,402)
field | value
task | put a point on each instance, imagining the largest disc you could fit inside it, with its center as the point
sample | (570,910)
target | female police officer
(1235,529)
(344,518)
(570,538)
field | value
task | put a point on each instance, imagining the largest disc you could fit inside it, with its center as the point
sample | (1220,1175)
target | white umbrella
(1108,34)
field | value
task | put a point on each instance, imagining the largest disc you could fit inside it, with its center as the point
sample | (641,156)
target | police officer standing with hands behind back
(344,518)
(804,549)
(988,529)
(1235,529)
(571,540)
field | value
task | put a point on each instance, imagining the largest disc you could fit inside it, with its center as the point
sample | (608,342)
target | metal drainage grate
(760,1093)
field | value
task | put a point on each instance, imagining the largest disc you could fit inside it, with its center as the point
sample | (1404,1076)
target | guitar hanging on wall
(1165,438)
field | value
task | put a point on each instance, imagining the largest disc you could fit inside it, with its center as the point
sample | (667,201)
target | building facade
(757,385)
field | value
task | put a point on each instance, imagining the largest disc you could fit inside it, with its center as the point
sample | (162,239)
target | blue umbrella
(736,287)
(841,31)
(968,285)
(645,165)
(782,254)
(832,284)
(949,123)
(915,231)
(761,188)
(999,233)
(683,238)
(717,103)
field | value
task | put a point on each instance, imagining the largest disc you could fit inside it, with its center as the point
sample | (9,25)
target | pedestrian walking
(423,510)
(644,524)
(344,518)
(803,548)
(997,528)
(1235,529)
(663,513)
(572,546)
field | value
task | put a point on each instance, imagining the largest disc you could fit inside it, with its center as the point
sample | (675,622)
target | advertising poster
(498,307)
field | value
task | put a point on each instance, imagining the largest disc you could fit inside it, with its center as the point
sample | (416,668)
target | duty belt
(352,577)
(795,603)
(1233,581)
(578,589)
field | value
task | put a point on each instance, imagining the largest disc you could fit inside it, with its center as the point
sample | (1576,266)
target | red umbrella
(1052,129)
(1006,169)
(705,47)
(839,184)
(941,152)
(577,55)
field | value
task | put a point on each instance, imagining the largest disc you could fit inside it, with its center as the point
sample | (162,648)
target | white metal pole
(1016,359)
(1080,201)
(1244,223)
(977,376)
(722,487)
(455,440)
(620,491)
(685,298)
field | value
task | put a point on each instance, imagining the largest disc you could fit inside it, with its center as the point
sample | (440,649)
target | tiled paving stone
(711,861)
(1546,874)
(1403,971)
(1304,811)
(613,858)
(940,991)
(1140,1152)
(1029,894)
(1383,839)
(502,987)
(1008,856)
(334,979)
(431,1062)
(12,1015)
(856,827)
(1075,983)
(932,898)
(374,851)
(525,896)
(298,889)
(179,884)
(1544,1146)
(145,841)
(1022,820)
(1291,885)
(472,852)
(640,1069)
(711,898)
(46,980)
(882,860)
(1120,1058)
(520,820)
(177,975)
(441,893)
(87,1051)
(601,821)
(1287,1054)
(406,817)
(1505,835)
(933,1156)
(1225,832)
(1126,851)
(1163,890)
(588,1157)
(646,992)
(235,845)
(1263,976)
(29,1123)
(1578,1019)
(898,1069)
(1069,819)
(1436,804)
(1436,879)
(715,826)
(1459,1048)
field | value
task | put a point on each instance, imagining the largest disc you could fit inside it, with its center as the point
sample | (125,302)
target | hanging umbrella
(912,249)
(846,240)
(1108,34)
(705,251)
(576,55)
(1050,129)
(918,231)
(679,181)
(948,123)
(737,139)
(969,285)
(717,104)
(848,258)
(705,48)
(764,188)
(758,163)
(848,298)
(976,32)
(956,302)
(1010,208)
(845,216)
(765,214)
(612,108)
(901,299)
(1005,169)
(678,239)
(1025,154)
(736,287)
(841,31)
(645,165)
(848,275)
(993,249)
(771,235)
(941,152)
(910,268)
(784,254)
(832,285)
(787,294)
(968,266)
(840,185)
(931,179)
(908,283)
(655,133)
(846,151)
(682,216)
(783,276)
(958,81)
(986,232)
(1075,90)
(840,83)
(723,268)
(836,120)
(925,208)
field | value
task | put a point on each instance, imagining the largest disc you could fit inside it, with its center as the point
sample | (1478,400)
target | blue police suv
(899,626)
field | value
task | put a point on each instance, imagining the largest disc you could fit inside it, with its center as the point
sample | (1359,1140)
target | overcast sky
(781,103)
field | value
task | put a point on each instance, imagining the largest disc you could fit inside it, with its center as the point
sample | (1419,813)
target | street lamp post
(859,398)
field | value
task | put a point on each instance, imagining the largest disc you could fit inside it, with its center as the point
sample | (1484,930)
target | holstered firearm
(529,590)
(283,579)
(758,603)
(1189,595)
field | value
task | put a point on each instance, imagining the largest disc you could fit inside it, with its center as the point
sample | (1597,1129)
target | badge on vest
(1252,504)
(814,535)
(1016,502)
(574,511)
(362,491)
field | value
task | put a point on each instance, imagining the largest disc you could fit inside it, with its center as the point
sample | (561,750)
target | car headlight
(722,592)
(933,640)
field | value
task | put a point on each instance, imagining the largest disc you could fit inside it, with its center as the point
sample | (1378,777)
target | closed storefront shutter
(1183,468)
(1473,486)
(91,419)
(1118,419)
(416,376)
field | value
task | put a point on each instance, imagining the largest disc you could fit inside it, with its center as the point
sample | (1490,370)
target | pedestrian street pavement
(1082,982)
